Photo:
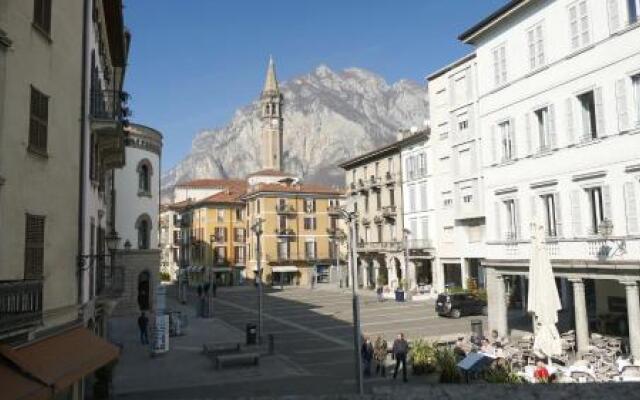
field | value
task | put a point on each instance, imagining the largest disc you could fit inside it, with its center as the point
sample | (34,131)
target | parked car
(458,304)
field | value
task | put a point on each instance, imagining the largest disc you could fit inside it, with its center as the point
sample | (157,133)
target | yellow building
(298,226)
(218,237)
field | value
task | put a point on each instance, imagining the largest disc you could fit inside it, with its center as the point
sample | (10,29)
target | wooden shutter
(39,114)
(597,95)
(553,142)
(621,104)
(614,16)
(518,227)
(558,210)
(497,226)
(606,202)
(631,208)
(576,213)
(494,144)
(514,141)
(569,117)
(529,133)
(34,247)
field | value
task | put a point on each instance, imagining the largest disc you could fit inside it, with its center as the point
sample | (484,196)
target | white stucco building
(137,208)
(457,180)
(559,115)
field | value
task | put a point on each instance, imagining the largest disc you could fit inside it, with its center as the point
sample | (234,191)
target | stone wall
(134,263)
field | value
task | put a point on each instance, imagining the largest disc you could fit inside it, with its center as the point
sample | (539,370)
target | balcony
(365,221)
(20,304)
(108,113)
(419,244)
(389,178)
(362,185)
(285,209)
(285,232)
(389,212)
(374,182)
(378,220)
(109,281)
(334,210)
(380,247)
(353,187)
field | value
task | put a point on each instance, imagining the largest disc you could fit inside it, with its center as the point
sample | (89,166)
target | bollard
(271,344)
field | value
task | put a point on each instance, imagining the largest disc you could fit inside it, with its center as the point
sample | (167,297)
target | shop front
(284,275)
(323,274)
(223,276)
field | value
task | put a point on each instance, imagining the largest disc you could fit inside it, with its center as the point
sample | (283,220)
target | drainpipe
(83,124)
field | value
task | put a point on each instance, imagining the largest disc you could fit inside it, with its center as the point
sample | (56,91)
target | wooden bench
(216,349)
(237,359)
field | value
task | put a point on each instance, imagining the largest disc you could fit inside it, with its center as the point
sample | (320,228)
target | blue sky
(194,62)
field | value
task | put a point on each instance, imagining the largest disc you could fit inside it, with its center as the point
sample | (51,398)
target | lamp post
(350,217)
(257,229)
(406,232)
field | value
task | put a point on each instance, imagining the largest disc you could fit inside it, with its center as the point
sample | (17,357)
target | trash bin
(399,295)
(476,328)
(252,334)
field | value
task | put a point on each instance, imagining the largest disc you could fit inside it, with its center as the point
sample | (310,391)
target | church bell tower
(271,101)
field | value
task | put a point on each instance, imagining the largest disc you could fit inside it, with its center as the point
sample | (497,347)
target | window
(464,161)
(220,254)
(500,65)
(536,47)
(447,200)
(423,196)
(220,215)
(34,247)
(38,122)
(221,235)
(392,197)
(238,214)
(310,250)
(512,219)
(633,6)
(579,24)
(379,232)
(390,165)
(310,223)
(378,200)
(42,15)
(239,235)
(412,198)
(282,222)
(283,250)
(542,118)
(377,169)
(462,125)
(424,228)
(551,223)
(353,176)
(506,140)
(588,111)
(366,202)
(238,254)
(422,164)
(309,205)
(467,198)
(144,177)
(635,80)
(258,206)
(143,226)
(596,208)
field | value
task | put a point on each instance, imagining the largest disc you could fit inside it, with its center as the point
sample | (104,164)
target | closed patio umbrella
(543,299)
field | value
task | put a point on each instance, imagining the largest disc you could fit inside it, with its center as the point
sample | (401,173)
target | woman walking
(380,351)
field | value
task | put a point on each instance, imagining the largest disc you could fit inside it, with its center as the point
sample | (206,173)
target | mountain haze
(328,117)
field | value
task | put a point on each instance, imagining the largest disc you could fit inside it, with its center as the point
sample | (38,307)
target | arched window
(144,177)
(143,227)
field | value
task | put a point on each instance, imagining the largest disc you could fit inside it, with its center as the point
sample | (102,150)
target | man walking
(380,351)
(366,353)
(143,323)
(399,352)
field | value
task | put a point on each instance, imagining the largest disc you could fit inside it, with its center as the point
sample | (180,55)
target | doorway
(143,290)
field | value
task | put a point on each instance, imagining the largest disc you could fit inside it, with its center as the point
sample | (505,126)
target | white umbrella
(543,300)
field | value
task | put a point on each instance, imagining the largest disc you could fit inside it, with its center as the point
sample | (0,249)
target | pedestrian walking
(399,352)
(366,352)
(379,292)
(380,352)
(143,324)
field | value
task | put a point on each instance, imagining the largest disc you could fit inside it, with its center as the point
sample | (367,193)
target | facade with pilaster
(559,115)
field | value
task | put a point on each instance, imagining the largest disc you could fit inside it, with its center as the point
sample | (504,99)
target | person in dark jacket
(366,352)
(399,352)
(143,324)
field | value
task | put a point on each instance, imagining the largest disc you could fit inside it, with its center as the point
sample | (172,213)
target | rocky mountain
(328,117)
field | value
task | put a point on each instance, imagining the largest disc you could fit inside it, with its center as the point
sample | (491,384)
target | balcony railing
(389,211)
(353,186)
(285,232)
(109,281)
(380,246)
(417,244)
(285,209)
(374,182)
(109,105)
(20,304)
(333,210)
(378,220)
(389,177)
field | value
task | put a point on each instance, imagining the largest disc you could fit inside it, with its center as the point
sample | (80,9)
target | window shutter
(529,133)
(423,195)
(631,208)
(569,116)
(556,201)
(614,16)
(576,216)
(518,227)
(599,112)
(552,126)
(514,141)
(34,247)
(606,200)
(498,228)
(573,25)
(494,145)
(621,103)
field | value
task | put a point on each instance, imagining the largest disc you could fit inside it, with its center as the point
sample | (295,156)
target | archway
(398,267)
(383,274)
(143,290)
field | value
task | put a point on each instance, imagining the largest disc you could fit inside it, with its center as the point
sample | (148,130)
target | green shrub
(422,357)
(165,276)
(503,374)
(447,363)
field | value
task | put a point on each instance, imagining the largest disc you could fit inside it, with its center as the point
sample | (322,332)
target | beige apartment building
(374,185)
(49,347)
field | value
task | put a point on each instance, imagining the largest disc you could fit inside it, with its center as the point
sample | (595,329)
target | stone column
(464,273)
(581,317)
(437,275)
(633,315)
(376,269)
(497,307)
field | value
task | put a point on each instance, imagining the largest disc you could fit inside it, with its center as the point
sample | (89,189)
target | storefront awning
(221,269)
(61,360)
(286,268)
(16,385)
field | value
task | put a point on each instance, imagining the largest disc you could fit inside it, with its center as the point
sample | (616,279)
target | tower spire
(271,82)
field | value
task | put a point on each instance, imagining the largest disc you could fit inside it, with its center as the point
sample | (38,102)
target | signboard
(161,335)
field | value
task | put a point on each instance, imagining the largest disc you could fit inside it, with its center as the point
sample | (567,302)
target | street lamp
(406,232)
(351,217)
(257,229)
(338,238)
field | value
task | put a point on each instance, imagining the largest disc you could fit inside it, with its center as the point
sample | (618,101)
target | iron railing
(109,105)
(20,304)
(285,209)
(110,280)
